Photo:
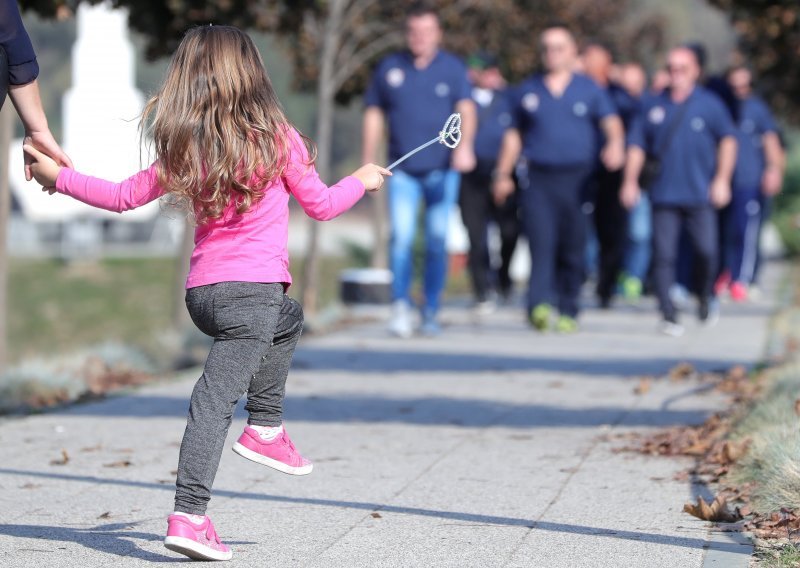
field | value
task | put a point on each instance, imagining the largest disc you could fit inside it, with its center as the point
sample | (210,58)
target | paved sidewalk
(483,448)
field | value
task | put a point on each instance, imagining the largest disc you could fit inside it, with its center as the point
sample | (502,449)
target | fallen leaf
(737,373)
(681,372)
(105,515)
(64,459)
(376,515)
(644,386)
(120,463)
(717,511)
(732,451)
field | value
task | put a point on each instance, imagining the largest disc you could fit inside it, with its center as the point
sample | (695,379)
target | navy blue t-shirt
(755,120)
(417,103)
(494,118)
(563,131)
(626,105)
(689,162)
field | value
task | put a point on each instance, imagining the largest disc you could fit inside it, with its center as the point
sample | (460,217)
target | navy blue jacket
(22,65)
(755,120)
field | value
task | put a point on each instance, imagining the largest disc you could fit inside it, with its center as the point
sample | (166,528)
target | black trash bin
(366,286)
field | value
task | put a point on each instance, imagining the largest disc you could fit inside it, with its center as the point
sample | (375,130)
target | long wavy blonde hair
(218,130)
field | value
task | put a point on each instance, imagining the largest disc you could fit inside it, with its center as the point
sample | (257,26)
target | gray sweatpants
(255,329)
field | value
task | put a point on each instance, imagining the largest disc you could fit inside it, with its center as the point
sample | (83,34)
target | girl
(225,148)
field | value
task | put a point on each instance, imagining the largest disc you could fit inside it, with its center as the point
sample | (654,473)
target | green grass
(57,308)
(773,459)
(785,557)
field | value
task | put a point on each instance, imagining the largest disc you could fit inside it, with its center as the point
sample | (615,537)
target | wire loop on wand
(450,136)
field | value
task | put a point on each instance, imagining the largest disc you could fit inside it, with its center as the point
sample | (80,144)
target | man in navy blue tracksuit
(609,216)
(475,197)
(689,130)
(558,118)
(757,177)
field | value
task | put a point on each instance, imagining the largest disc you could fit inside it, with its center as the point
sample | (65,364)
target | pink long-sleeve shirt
(251,247)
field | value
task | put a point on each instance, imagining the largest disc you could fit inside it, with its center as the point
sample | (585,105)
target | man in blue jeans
(690,132)
(415,91)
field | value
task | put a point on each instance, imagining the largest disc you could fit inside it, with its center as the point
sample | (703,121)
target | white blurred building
(101,117)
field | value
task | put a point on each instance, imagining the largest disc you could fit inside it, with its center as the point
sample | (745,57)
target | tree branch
(357,8)
(362,56)
(372,29)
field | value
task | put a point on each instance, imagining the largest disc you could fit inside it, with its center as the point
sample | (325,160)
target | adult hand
(629,194)
(463,159)
(502,188)
(44,142)
(613,156)
(720,192)
(42,167)
(371,175)
(771,181)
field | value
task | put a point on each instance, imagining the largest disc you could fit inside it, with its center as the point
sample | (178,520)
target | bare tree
(343,52)
(6,124)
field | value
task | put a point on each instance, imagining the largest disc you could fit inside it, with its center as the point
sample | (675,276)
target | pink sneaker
(738,292)
(722,283)
(278,453)
(199,542)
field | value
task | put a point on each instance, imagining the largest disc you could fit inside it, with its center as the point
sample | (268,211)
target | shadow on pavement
(90,537)
(108,538)
(403,361)
(430,411)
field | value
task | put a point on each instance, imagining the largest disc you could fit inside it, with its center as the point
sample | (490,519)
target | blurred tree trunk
(348,45)
(326,91)
(6,123)
(380,229)
(180,316)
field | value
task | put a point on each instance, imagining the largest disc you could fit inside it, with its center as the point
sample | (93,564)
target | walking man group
(654,168)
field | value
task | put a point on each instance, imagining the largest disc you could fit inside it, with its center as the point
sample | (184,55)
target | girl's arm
(319,201)
(134,192)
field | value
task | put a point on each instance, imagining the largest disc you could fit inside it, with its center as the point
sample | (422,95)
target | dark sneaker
(708,312)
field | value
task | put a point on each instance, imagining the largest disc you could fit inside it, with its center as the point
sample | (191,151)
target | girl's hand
(371,176)
(44,141)
(43,168)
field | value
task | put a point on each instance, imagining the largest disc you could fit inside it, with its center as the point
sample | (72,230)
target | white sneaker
(671,328)
(679,295)
(400,324)
(484,308)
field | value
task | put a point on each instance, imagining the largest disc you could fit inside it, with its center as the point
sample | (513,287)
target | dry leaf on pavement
(717,511)
(64,459)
